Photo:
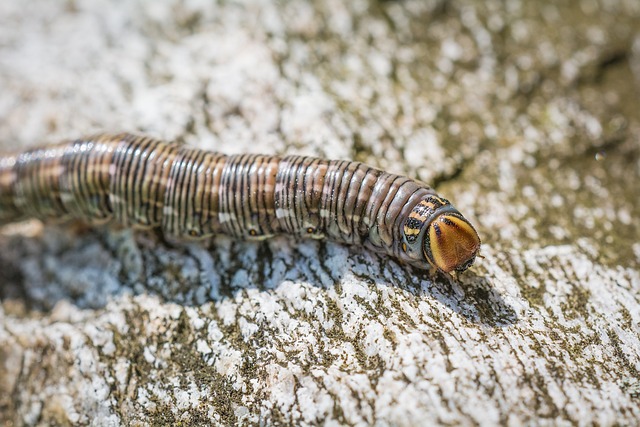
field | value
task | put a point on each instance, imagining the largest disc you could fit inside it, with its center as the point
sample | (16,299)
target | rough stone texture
(525,114)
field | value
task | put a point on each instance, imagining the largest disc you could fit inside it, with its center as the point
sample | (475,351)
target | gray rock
(524,114)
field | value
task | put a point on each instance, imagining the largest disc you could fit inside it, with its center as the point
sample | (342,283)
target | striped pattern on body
(192,193)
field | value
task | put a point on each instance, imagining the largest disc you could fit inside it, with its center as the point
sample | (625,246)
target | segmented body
(192,193)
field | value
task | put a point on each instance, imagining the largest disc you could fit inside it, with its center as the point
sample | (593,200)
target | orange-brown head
(451,243)
(437,233)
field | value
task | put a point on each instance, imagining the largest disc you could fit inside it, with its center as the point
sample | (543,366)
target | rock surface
(525,114)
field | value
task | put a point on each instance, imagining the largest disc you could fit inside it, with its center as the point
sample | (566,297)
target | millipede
(191,193)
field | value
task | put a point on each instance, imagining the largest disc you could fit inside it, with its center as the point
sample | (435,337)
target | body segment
(192,193)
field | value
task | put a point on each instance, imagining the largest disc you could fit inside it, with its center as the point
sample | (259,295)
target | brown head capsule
(436,233)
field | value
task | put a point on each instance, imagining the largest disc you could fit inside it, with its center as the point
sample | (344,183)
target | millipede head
(436,233)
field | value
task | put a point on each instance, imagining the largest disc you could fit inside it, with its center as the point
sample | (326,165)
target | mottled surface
(524,114)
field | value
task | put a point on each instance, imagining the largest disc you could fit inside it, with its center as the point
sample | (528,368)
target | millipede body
(193,193)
